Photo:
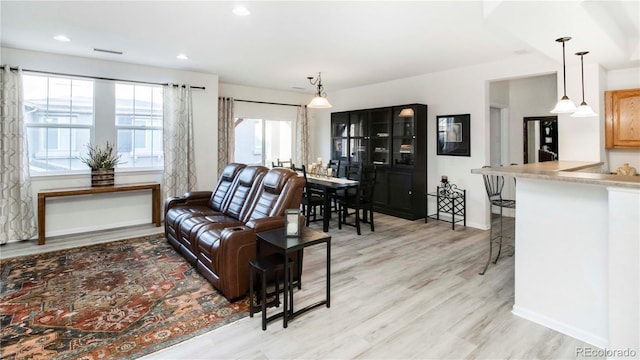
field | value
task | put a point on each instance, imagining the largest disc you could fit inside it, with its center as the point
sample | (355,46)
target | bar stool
(494,185)
(264,266)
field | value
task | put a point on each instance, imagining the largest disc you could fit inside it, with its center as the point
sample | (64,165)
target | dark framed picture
(454,135)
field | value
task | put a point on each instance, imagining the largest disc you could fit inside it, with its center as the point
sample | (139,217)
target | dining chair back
(282,163)
(310,199)
(334,165)
(361,200)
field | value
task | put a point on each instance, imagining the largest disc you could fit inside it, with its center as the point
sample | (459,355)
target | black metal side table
(449,200)
(286,246)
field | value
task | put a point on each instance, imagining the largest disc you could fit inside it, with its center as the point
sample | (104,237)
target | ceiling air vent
(108,51)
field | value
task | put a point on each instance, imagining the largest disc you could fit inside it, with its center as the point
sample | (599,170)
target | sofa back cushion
(225,181)
(243,190)
(280,189)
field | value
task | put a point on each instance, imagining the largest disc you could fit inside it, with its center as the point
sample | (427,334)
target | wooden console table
(42,195)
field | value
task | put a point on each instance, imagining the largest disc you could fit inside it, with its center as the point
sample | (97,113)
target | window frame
(102,128)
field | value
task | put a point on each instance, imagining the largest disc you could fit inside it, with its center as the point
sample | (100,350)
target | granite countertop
(568,171)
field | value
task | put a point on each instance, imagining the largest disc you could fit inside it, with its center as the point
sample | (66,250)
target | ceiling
(353,43)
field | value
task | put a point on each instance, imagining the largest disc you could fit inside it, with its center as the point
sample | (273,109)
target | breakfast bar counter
(577,256)
(567,171)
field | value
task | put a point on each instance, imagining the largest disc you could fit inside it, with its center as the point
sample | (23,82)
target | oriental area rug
(119,300)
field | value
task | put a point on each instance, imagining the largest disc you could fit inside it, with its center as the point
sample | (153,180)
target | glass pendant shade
(319,102)
(584,110)
(564,106)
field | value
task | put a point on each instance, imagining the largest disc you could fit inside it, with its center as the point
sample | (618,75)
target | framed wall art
(454,135)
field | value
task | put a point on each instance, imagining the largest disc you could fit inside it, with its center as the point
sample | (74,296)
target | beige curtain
(301,136)
(179,155)
(17,220)
(226,133)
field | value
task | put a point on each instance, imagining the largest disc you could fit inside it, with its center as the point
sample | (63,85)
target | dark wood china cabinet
(394,139)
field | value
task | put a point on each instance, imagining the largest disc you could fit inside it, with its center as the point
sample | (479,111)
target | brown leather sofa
(215,230)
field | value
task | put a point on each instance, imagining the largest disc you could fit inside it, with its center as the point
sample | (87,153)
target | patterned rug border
(123,242)
(75,249)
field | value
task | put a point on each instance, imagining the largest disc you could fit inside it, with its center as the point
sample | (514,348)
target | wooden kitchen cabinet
(622,119)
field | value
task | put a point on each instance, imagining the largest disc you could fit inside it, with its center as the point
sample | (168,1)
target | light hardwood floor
(409,290)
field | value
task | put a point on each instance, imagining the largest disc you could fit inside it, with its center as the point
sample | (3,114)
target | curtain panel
(17,220)
(301,136)
(179,155)
(226,133)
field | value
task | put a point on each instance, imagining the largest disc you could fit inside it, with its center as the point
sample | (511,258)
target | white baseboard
(558,326)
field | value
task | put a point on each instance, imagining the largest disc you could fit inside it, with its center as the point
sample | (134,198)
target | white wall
(467,90)
(69,215)
(458,91)
(582,139)
(532,96)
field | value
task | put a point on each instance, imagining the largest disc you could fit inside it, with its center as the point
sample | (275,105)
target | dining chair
(493,185)
(360,200)
(334,165)
(310,199)
(337,172)
(282,163)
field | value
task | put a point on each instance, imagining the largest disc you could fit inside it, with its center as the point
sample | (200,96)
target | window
(139,125)
(59,117)
(269,140)
(62,119)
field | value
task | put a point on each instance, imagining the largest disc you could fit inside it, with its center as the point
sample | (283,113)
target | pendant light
(584,110)
(564,106)
(319,100)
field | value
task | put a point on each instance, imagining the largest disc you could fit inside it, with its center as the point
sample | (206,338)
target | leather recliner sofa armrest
(267,223)
(237,247)
(193,197)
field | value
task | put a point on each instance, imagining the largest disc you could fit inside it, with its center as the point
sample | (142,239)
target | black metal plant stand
(450,200)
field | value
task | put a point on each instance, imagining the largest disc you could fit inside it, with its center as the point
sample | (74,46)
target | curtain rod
(266,102)
(101,78)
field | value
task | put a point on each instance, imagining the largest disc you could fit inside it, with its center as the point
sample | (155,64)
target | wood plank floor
(409,290)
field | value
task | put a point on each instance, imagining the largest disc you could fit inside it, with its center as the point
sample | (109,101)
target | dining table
(328,185)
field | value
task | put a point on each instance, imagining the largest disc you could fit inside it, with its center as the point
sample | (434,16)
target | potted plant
(101,160)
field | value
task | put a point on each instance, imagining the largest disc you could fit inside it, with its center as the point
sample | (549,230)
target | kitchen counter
(568,171)
(577,251)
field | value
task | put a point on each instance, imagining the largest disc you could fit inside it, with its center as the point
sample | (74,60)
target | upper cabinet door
(339,125)
(622,119)
(380,135)
(358,124)
(404,136)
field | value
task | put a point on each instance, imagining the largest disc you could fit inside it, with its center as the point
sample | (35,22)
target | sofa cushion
(225,181)
(281,189)
(243,190)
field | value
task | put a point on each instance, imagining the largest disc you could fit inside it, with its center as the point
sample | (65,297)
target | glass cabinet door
(340,136)
(380,136)
(358,147)
(404,139)
(358,124)
(339,125)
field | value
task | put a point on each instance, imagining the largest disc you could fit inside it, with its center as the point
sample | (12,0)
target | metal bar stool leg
(501,235)
(490,239)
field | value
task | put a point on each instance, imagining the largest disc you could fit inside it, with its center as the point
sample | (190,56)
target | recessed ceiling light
(182,57)
(62,38)
(241,11)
